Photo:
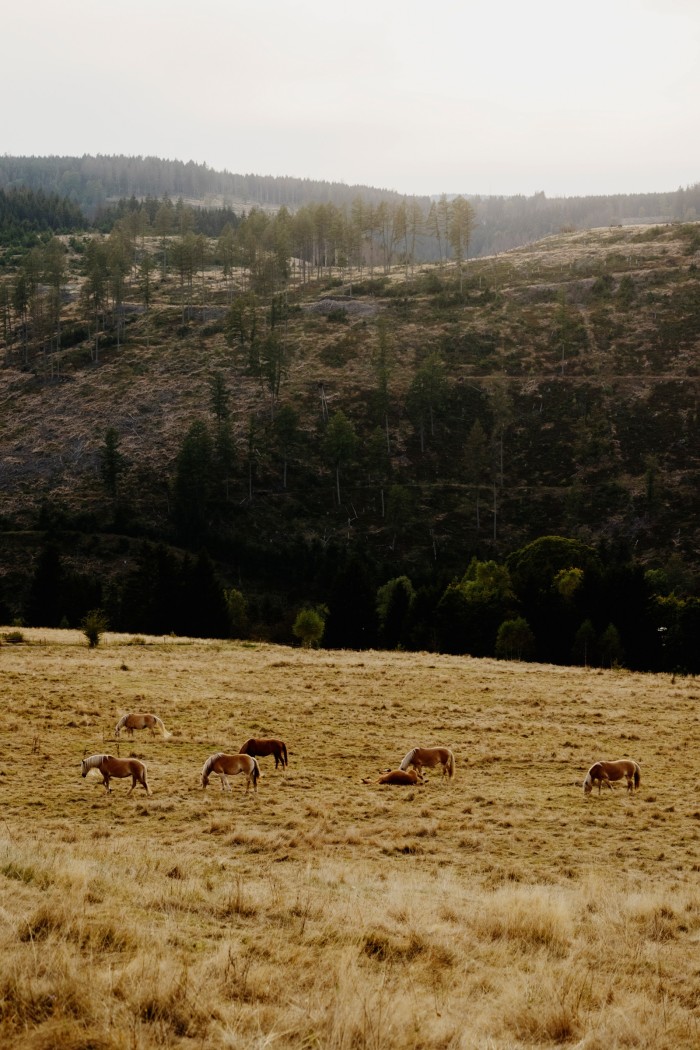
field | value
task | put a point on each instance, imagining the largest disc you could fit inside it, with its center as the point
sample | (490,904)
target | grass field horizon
(502,909)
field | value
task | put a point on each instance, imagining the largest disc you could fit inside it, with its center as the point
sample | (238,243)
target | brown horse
(429,758)
(117,767)
(229,765)
(140,721)
(258,748)
(398,776)
(605,772)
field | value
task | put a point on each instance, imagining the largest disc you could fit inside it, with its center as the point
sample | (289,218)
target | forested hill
(501,222)
(213,434)
(92,181)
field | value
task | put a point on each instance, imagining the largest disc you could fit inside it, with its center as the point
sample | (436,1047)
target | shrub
(94,625)
(515,640)
(14,637)
(309,627)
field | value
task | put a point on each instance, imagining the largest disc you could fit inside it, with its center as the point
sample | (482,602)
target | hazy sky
(494,96)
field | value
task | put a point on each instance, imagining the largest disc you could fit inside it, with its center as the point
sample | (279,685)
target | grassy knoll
(500,910)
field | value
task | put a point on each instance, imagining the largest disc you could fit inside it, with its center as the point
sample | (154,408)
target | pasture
(500,909)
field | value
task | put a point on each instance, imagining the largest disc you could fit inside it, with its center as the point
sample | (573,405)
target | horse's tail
(637,775)
(407,760)
(166,734)
(450,765)
(284,753)
(256,772)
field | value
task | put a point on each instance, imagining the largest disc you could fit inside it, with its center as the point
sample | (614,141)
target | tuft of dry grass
(503,909)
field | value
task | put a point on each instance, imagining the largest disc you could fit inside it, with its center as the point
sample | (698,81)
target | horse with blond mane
(229,766)
(258,748)
(429,758)
(136,720)
(119,768)
(605,772)
(398,776)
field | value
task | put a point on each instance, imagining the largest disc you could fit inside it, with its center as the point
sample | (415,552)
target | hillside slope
(556,392)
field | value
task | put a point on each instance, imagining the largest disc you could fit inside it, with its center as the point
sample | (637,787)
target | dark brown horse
(258,748)
(605,772)
(117,767)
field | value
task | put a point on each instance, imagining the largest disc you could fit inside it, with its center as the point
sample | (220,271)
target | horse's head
(588,784)
(84,768)
(205,778)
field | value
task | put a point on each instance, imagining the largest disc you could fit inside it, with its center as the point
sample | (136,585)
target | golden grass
(502,909)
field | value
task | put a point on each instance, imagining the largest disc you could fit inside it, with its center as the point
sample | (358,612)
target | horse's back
(399,776)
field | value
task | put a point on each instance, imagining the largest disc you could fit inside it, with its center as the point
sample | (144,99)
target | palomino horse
(139,721)
(260,748)
(604,772)
(398,776)
(229,765)
(117,767)
(429,757)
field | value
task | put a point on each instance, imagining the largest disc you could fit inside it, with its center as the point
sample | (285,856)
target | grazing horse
(260,748)
(229,765)
(117,767)
(398,776)
(604,772)
(140,721)
(430,757)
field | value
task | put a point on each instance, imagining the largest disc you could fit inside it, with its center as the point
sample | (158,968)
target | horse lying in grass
(258,748)
(398,776)
(229,766)
(429,758)
(119,768)
(605,772)
(140,721)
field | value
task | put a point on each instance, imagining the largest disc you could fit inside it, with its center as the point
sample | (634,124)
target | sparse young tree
(461,224)
(309,626)
(339,444)
(286,435)
(515,640)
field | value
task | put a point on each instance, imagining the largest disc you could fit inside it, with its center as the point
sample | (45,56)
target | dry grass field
(501,909)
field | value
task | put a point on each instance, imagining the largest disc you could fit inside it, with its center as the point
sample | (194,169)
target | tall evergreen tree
(192,490)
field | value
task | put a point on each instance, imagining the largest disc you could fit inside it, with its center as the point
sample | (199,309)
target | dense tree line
(555,600)
(500,222)
(26,212)
(90,181)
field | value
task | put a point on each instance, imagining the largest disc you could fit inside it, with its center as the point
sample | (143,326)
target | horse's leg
(105,781)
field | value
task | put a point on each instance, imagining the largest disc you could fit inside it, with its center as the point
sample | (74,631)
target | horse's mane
(93,760)
(408,759)
(210,762)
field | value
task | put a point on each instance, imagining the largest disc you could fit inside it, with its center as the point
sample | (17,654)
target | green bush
(94,624)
